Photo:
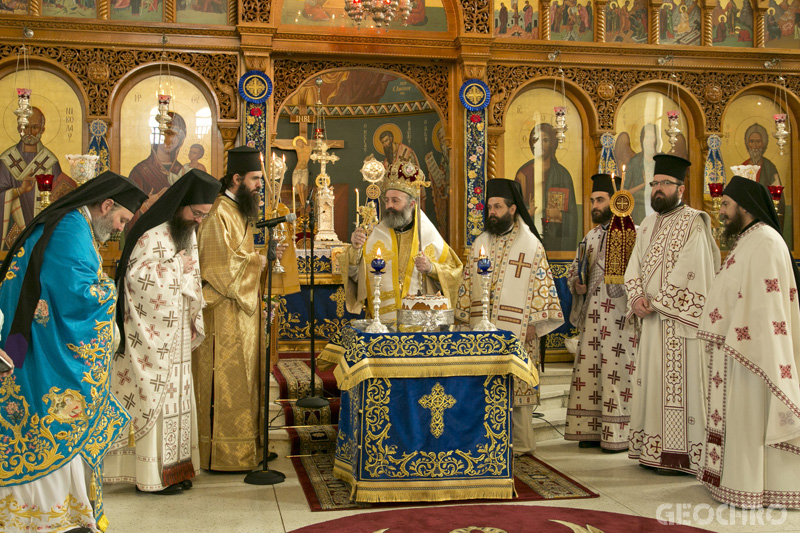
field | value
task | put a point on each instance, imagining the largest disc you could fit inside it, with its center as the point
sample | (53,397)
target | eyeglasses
(663,184)
(199,214)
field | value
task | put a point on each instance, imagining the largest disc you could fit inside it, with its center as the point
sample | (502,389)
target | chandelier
(781,101)
(24,109)
(382,12)
(164,89)
(559,111)
(673,129)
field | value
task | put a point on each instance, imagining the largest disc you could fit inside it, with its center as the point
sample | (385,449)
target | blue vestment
(58,404)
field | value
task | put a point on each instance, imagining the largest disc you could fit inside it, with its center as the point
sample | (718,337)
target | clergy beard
(661,202)
(398,219)
(755,155)
(498,225)
(181,231)
(103,227)
(733,226)
(601,216)
(388,151)
(248,202)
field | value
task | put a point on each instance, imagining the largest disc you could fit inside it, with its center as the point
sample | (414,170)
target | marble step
(556,374)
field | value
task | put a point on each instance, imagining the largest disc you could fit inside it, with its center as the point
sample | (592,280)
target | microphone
(271,223)
(310,196)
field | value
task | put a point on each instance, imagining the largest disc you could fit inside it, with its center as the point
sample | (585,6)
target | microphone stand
(265,476)
(312,401)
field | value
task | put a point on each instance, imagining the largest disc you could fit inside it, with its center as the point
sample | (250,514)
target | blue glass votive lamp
(378,264)
(484,264)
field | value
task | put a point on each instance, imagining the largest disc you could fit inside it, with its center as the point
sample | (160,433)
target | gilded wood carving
(477,16)
(607,87)
(99,70)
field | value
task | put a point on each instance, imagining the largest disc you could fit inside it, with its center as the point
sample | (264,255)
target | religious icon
(51,130)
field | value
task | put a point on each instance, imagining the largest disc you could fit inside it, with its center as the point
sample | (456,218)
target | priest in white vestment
(522,295)
(668,278)
(410,266)
(751,331)
(160,317)
(598,412)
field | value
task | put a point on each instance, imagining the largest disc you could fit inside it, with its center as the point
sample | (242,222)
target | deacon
(397,238)
(751,330)
(160,319)
(598,412)
(58,417)
(668,278)
(523,296)
(226,367)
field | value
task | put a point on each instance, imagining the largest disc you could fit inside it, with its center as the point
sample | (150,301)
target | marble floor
(224,503)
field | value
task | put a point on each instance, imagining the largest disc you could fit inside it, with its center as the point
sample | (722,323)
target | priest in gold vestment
(398,239)
(226,367)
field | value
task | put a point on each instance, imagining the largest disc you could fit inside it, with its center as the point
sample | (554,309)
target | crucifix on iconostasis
(303,146)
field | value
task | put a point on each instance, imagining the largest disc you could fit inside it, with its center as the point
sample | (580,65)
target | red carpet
(494,519)
(534,480)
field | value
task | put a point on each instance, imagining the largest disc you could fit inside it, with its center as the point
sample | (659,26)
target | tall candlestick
(358,204)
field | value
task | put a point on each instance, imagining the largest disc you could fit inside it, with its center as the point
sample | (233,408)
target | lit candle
(622,181)
(483,263)
(378,264)
(294,209)
(264,174)
(358,204)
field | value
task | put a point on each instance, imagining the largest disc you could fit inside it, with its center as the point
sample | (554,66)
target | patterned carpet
(533,479)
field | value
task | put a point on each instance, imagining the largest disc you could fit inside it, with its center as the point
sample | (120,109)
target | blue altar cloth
(426,416)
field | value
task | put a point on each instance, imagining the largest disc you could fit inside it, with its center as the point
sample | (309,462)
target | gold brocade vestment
(227,366)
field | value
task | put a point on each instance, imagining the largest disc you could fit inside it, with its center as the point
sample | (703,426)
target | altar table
(426,416)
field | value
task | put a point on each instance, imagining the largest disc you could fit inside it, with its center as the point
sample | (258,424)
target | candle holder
(780,132)
(715,189)
(280,235)
(44,182)
(378,264)
(672,128)
(776,191)
(484,270)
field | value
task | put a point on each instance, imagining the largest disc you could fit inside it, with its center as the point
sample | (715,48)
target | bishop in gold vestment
(226,367)
(398,238)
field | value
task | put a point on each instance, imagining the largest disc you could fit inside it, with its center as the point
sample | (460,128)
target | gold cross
(520,264)
(339,298)
(437,401)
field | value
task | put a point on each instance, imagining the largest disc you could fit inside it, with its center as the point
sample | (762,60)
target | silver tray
(361,324)
(427,320)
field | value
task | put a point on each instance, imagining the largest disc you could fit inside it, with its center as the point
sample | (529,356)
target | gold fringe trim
(434,367)
(614,279)
(432,494)
(102,523)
